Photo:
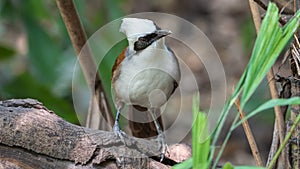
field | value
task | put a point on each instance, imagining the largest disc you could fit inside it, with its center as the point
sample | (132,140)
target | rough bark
(294,141)
(31,136)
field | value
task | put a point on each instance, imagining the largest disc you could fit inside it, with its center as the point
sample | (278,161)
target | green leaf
(43,54)
(36,9)
(248,167)
(270,104)
(200,137)
(270,42)
(8,10)
(113,9)
(184,165)
(228,166)
(6,52)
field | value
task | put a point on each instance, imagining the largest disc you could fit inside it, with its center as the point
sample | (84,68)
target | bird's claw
(119,133)
(163,146)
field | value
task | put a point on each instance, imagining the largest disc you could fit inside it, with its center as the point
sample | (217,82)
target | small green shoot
(185,164)
(228,166)
(200,136)
(200,142)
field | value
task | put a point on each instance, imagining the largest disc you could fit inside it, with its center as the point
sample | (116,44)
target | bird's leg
(116,128)
(161,136)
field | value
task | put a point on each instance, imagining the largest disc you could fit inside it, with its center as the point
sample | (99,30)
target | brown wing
(121,57)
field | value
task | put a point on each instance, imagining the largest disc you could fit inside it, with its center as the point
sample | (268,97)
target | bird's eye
(139,45)
(142,39)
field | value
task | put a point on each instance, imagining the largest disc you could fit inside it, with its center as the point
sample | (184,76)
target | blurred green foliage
(6,52)
(43,68)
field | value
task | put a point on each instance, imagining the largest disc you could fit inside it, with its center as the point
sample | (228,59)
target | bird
(145,74)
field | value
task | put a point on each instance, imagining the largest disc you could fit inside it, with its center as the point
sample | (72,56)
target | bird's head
(142,33)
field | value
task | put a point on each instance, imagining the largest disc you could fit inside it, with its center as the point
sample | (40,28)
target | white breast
(147,77)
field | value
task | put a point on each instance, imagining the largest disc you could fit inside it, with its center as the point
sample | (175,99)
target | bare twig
(261,4)
(285,142)
(255,15)
(282,19)
(274,145)
(283,4)
(285,92)
(277,109)
(78,38)
(249,135)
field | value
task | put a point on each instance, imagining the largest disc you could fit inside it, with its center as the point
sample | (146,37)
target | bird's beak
(162,33)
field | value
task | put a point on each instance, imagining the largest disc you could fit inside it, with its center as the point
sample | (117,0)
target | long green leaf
(270,104)
(270,42)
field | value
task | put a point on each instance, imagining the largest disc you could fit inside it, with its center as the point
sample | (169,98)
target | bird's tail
(141,122)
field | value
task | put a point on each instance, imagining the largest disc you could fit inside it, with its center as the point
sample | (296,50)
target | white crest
(133,27)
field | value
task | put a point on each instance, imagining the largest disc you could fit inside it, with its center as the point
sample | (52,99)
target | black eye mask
(145,41)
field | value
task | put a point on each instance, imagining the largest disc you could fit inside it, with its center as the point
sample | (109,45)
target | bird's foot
(119,133)
(163,146)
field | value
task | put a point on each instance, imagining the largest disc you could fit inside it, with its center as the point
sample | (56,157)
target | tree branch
(29,128)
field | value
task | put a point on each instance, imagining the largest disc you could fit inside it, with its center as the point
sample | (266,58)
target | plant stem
(285,141)
(249,135)
(79,40)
